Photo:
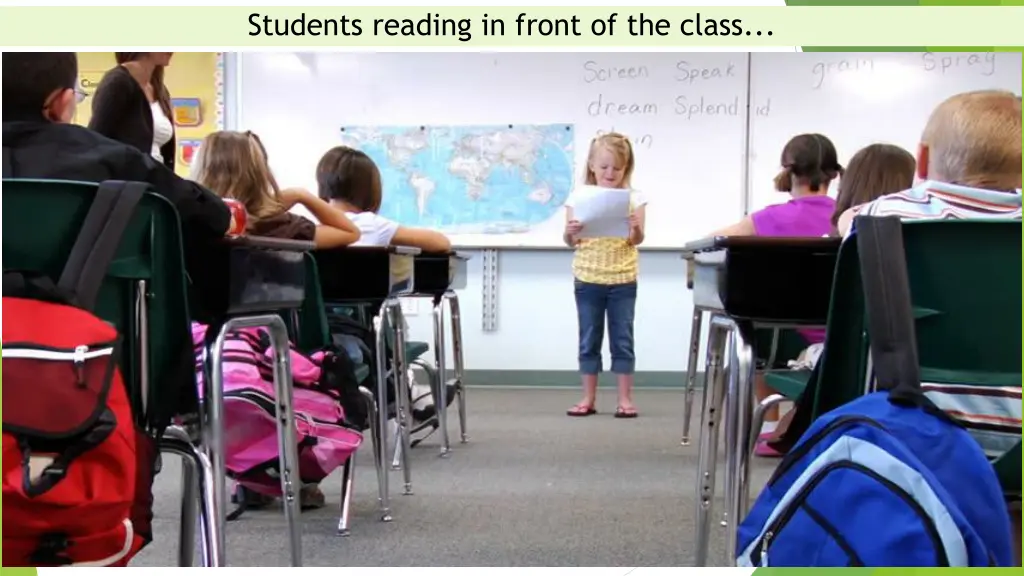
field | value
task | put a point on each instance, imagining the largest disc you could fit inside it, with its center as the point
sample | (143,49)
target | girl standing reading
(605,272)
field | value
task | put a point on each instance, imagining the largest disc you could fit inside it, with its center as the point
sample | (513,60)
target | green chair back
(41,224)
(788,346)
(965,282)
(843,362)
(312,332)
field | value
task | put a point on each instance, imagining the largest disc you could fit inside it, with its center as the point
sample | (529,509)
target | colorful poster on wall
(196,83)
(188,112)
(187,149)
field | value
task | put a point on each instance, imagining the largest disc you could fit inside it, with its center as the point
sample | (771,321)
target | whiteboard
(857,99)
(707,131)
(685,113)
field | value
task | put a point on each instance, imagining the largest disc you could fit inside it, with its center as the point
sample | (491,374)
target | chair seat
(415,349)
(789,383)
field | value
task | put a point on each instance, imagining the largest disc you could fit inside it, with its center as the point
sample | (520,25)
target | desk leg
(212,431)
(691,372)
(348,473)
(460,374)
(739,412)
(375,428)
(441,371)
(142,321)
(286,435)
(189,501)
(382,416)
(729,420)
(707,458)
(196,475)
(404,394)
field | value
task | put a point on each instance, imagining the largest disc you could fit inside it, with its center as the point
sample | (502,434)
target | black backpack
(342,324)
(339,376)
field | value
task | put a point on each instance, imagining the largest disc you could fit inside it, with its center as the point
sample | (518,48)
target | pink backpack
(326,439)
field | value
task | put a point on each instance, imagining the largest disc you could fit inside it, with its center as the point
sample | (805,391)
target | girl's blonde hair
(620,146)
(234,165)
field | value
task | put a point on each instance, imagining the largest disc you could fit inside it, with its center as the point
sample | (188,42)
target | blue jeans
(593,303)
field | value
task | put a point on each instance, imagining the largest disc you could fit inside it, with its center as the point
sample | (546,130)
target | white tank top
(163,130)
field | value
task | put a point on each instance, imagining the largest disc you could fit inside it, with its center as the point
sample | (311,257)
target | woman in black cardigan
(132,105)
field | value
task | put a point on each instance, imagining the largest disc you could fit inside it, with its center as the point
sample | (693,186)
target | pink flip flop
(763,449)
(581,410)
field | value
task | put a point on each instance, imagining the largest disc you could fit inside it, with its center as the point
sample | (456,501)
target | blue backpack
(888,479)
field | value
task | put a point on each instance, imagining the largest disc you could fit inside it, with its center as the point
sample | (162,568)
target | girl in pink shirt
(809,166)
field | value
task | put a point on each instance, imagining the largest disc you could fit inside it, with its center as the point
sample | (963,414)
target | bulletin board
(196,83)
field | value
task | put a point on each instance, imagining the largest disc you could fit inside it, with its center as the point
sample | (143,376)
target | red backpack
(77,471)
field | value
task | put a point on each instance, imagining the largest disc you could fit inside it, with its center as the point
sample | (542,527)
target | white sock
(767,427)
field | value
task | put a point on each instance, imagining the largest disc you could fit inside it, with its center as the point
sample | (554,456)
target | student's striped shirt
(943,201)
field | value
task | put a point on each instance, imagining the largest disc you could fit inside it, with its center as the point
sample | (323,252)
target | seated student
(809,165)
(234,165)
(969,166)
(968,163)
(348,179)
(874,171)
(40,96)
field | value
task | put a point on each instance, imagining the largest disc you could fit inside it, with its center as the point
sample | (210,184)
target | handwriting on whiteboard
(619,101)
(983,63)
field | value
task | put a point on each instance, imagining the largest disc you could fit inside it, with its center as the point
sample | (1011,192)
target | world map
(470,179)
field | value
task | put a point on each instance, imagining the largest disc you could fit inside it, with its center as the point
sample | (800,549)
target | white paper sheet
(604,212)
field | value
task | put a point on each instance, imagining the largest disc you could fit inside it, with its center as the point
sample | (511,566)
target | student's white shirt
(375,229)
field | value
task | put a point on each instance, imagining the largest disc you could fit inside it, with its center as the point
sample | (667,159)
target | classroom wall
(535,341)
(192,76)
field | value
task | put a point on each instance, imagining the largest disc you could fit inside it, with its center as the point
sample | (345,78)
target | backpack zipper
(942,559)
(831,530)
(760,552)
(80,352)
(801,450)
(765,541)
(78,355)
(270,407)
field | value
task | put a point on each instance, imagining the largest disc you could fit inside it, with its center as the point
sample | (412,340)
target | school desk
(744,283)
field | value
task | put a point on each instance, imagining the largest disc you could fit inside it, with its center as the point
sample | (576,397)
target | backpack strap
(883,269)
(890,315)
(97,243)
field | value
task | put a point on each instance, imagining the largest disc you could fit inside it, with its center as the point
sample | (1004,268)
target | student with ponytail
(809,166)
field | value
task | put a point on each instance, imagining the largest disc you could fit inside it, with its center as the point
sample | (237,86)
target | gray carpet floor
(533,487)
